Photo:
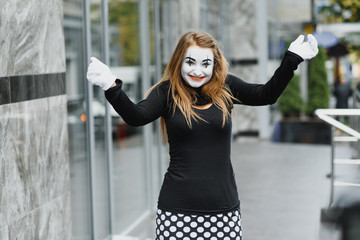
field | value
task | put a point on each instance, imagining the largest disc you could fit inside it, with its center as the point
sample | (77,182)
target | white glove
(99,74)
(307,49)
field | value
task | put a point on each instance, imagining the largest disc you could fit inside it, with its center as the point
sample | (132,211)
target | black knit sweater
(200,177)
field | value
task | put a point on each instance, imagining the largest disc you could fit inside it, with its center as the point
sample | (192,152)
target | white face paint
(197,66)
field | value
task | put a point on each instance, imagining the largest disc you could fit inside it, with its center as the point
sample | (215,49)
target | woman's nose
(197,72)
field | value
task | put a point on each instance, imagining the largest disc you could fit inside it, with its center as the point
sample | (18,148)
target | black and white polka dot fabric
(174,226)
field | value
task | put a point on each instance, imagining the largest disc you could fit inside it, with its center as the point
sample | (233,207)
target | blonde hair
(183,95)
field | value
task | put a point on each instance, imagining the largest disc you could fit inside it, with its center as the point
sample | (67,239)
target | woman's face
(197,66)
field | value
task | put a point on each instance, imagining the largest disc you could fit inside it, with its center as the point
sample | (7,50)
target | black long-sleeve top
(200,177)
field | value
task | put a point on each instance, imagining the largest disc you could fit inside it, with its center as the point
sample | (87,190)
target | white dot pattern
(207,227)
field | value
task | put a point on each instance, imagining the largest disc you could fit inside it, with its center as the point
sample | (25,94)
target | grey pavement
(282,189)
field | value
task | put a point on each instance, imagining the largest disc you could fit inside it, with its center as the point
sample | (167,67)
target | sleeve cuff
(115,88)
(297,57)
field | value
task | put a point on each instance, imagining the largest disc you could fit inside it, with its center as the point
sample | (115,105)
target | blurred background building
(70,168)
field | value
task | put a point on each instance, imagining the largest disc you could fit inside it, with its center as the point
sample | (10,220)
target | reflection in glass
(75,77)
(100,168)
(129,176)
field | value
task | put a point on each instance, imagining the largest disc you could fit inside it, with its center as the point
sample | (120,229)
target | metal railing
(349,133)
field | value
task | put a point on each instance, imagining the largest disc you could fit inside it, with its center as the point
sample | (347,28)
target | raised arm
(263,94)
(144,112)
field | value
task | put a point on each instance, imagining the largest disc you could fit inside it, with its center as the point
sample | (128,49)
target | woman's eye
(189,62)
(206,65)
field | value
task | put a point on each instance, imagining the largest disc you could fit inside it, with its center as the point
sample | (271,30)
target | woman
(198,198)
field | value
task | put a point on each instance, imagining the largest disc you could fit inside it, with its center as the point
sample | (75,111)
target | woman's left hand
(305,49)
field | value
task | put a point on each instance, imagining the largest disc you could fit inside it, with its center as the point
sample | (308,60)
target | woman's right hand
(99,74)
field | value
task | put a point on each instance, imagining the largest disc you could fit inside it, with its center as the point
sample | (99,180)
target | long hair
(183,95)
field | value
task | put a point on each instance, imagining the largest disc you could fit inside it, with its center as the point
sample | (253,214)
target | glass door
(114,183)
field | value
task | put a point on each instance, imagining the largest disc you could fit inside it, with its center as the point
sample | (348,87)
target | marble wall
(34,159)
(34,163)
(34,39)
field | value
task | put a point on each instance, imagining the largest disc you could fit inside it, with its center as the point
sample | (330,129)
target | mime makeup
(197,67)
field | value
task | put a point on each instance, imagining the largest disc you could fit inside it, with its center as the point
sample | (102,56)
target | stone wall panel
(33,32)
(34,161)
(4,233)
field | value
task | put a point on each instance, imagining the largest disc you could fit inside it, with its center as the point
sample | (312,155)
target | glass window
(129,172)
(75,88)
(100,171)
(130,175)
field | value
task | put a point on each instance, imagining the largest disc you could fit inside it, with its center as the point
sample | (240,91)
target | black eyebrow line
(206,60)
(190,58)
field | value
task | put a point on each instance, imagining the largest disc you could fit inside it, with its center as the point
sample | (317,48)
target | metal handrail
(325,114)
(328,115)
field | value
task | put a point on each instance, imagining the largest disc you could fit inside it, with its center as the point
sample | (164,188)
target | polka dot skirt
(174,226)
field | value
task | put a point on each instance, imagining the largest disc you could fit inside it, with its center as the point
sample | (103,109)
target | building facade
(34,159)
